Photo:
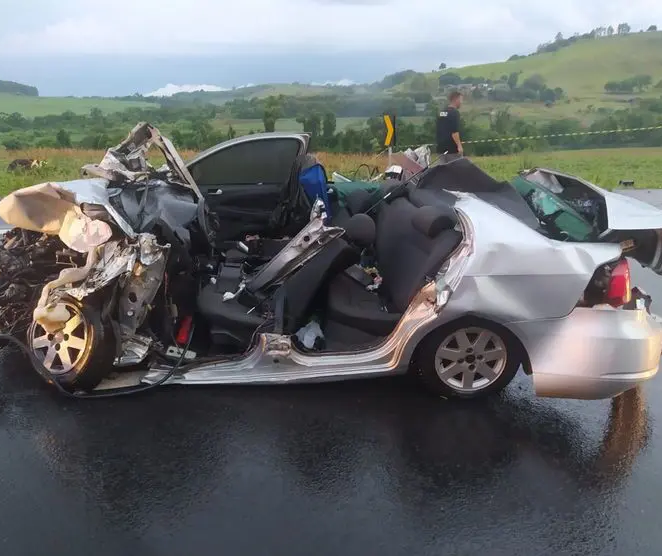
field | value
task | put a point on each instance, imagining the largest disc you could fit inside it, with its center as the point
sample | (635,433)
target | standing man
(448,128)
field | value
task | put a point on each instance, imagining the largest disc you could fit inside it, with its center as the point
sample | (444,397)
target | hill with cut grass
(582,68)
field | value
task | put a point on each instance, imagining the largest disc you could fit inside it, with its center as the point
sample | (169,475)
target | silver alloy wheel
(62,351)
(470,359)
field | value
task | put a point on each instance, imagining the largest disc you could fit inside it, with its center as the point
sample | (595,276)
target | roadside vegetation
(604,80)
(606,167)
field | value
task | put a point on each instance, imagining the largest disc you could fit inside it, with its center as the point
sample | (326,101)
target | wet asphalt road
(361,468)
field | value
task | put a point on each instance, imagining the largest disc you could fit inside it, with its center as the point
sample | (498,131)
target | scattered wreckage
(246,266)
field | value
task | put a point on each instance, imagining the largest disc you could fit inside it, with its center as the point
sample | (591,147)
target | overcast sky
(60,45)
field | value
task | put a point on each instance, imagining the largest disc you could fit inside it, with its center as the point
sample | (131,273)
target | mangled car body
(246,266)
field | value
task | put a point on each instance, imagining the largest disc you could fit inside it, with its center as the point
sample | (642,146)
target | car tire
(468,359)
(88,344)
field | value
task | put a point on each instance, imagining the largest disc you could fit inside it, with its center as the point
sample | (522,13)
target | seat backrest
(407,254)
(301,289)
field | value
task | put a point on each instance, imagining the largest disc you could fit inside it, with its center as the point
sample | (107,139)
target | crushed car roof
(128,159)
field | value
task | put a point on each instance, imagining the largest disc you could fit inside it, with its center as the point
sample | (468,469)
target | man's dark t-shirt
(448,122)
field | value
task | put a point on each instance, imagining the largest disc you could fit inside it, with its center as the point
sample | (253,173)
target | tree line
(197,127)
(507,88)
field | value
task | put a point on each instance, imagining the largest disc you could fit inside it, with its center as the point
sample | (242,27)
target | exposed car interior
(357,287)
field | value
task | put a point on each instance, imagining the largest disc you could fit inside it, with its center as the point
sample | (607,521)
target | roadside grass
(604,167)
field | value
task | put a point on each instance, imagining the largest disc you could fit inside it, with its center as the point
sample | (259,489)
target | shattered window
(267,161)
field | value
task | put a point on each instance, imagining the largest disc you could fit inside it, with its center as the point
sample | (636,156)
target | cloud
(171,89)
(339,83)
(228,28)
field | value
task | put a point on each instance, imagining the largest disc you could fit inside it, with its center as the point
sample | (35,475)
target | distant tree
(501,121)
(547,95)
(418,82)
(422,98)
(16,120)
(652,28)
(273,110)
(512,80)
(623,29)
(535,82)
(612,86)
(442,66)
(610,31)
(96,114)
(269,122)
(311,124)
(46,143)
(642,81)
(559,37)
(329,125)
(13,144)
(231,132)
(449,78)
(63,139)
(432,109)
(477,94)
(178,138)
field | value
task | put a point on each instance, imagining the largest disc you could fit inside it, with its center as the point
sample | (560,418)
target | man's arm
(458,142)
(456,132)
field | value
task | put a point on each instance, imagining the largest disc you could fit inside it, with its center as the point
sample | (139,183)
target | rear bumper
(592,353)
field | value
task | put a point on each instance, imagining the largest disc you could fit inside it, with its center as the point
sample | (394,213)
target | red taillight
(184,330)
(619,291)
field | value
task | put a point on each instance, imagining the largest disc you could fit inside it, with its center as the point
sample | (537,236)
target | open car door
(243,180)
(635,224)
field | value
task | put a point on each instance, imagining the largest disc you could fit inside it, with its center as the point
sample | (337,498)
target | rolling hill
(582,68)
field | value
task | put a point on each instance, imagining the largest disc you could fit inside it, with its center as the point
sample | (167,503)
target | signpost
(390,138)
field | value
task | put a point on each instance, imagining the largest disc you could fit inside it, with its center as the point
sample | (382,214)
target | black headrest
(394,188)
(358,201)
(361,230)
(431,221)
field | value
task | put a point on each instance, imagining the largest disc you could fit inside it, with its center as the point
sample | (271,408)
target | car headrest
(358,201)
(431,221)
(394,188)
(361,230)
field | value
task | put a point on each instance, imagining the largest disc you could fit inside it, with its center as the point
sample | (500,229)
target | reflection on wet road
(360,468)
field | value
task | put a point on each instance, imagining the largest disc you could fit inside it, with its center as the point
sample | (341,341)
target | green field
(583,68)
(44,106)
(604,167)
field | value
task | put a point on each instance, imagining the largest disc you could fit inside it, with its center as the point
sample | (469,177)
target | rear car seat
(412,243)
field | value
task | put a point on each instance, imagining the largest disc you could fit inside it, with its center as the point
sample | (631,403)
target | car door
(243,179)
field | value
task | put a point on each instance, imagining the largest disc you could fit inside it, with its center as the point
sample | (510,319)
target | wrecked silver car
(246,265)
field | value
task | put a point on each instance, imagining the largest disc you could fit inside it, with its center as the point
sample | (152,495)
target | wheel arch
(475,319)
